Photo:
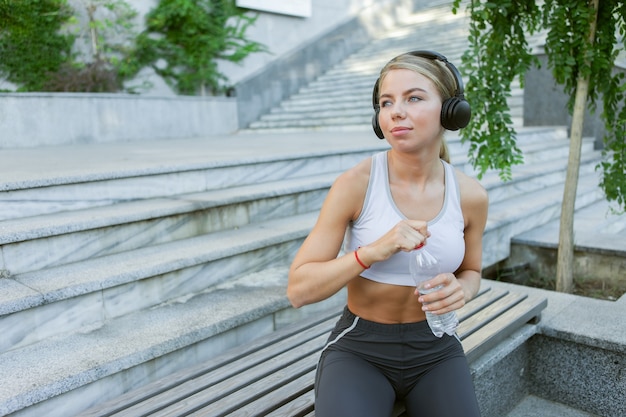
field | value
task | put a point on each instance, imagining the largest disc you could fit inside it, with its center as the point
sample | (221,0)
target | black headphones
(455,111)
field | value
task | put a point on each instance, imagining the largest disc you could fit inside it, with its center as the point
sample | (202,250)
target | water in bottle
(424,266)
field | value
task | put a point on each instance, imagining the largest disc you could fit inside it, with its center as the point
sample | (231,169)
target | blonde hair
(436,71)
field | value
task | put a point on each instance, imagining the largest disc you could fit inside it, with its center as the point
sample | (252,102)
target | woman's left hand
(448,298)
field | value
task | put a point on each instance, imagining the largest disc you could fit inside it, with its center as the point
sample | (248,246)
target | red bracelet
(356,255)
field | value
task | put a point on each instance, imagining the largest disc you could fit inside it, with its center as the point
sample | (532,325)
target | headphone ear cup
(375,124)
(455,113)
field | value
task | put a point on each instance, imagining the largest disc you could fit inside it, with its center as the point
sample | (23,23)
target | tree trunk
(565,256)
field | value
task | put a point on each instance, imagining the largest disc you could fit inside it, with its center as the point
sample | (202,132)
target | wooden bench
(273,376)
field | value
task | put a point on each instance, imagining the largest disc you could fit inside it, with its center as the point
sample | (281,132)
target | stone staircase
(122,263)
(341,99)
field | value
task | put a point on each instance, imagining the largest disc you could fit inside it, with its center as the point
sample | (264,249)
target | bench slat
(282,402)
(483,299)
(237,400)
(503,326)
(301,406)
(486,315)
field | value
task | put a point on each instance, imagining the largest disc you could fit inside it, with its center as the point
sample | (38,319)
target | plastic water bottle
(424,266)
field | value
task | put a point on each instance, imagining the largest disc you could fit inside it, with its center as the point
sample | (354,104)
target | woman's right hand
(405,236)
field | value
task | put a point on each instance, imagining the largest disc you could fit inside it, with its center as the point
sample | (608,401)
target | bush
(105,36)
(31,45)
(45,46)
(95,77)
(185,38)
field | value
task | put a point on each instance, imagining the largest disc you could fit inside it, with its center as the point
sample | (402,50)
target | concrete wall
(42,119)
(283,77)
(604,265)
(575,356)
(584,377)
(545,103)
(500,376)
(574,374)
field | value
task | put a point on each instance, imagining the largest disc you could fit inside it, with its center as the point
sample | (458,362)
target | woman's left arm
(475,204)
(464,284)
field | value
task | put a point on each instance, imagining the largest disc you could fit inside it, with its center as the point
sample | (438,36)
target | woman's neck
(414,168)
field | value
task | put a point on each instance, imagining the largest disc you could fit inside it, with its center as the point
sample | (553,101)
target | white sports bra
(380,214)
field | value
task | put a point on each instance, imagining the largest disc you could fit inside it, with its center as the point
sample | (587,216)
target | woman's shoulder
(471,190)
(346,196)
(356,176)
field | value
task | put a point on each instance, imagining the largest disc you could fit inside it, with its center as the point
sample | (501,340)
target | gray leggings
(366,366)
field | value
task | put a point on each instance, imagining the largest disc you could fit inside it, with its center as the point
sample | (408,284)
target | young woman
(386,206)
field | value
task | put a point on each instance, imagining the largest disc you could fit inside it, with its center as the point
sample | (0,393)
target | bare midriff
(384,303)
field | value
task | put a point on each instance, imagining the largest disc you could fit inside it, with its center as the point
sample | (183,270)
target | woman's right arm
(316,272)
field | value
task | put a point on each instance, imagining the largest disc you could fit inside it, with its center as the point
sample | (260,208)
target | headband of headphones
(455,111)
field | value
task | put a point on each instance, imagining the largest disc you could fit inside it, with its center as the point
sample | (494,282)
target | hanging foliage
(499,52)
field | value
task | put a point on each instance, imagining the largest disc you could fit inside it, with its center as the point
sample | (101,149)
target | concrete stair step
(597,230)
(309,122)
(323,128)
(538,144)
(515,215)
(69,298)
(337,85)
(302,102)
(39,242)
(325,113)
(330,106)
(79,177)
(539,173)
(599,248)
